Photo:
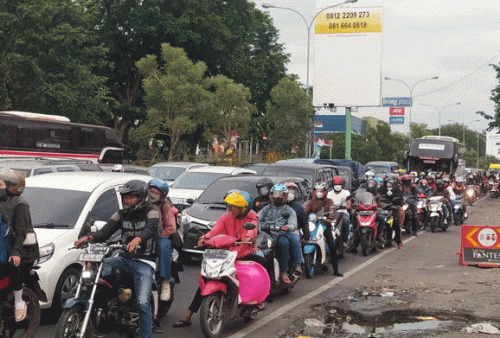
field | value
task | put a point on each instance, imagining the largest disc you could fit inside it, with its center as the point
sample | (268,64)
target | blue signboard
(396,119)
(396,102)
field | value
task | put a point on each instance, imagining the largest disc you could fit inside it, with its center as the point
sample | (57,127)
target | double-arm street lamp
(411,96)
(440,111)
(308,25)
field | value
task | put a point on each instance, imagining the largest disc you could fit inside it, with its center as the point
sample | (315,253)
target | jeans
(445,210)
(164,258)
(143,275)
(288,241)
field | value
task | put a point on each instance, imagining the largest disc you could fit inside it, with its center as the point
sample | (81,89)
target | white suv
(191,184)
(60,204)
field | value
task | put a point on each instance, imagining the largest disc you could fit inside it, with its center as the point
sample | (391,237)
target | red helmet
(291,185)
(424,181)
(338,180)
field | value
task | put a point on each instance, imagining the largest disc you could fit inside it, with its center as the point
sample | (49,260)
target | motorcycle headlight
(470,193)
(312,226)
(46,252)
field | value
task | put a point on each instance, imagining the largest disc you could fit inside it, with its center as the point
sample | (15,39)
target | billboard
(493,143)
(348,54)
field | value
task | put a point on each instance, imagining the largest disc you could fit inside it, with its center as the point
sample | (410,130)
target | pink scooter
(231,288)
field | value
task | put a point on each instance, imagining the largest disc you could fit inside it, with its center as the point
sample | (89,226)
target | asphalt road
(290,310)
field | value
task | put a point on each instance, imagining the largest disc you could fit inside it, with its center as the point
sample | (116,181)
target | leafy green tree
(290,113)
(176,97)
(419,130)
(50,59)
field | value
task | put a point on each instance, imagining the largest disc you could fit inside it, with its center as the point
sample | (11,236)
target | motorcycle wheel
(471,201)
(433,224)
(211,318)
(309,262)
(366,240)
(70,322)
(29,326)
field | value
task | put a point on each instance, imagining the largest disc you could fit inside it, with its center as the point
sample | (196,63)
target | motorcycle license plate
(91,257)
(215,254)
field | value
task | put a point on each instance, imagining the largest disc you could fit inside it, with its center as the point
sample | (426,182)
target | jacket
(273,217)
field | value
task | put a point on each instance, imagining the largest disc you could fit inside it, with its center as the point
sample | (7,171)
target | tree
(49,61)
(419,130)
(231,110)
(290,113)
(176,98)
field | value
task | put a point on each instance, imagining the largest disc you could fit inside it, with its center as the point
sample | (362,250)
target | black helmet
(138,188)
(264,183)
(439,182)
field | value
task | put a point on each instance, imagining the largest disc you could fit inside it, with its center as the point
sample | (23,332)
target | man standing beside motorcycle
(321,203)
(442,191)
(409,192)
(138,221)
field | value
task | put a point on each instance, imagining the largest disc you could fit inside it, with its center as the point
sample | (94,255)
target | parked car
(126,168)
(312,172)
(169,171)
(191,183)
(60,204)
(382,168)
(258,167)
(32,166)
(200,217)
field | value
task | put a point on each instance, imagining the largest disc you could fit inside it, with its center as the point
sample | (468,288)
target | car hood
(47,236)
(176,193)
(206,212)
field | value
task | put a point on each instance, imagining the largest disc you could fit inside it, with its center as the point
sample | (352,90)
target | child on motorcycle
(320,202)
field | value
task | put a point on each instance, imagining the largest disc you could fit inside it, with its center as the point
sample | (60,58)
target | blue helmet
(279,188)
(160,184)
(379,179)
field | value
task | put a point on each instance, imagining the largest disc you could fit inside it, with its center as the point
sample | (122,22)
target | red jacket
(232,226)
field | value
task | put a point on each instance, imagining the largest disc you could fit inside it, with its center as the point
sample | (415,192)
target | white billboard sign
(493,143)
(348,54)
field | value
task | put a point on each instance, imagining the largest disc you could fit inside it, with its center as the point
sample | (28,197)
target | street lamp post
(411,96)
(464,125)
(440,111)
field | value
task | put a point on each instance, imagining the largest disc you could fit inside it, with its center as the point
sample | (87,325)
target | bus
(52,136)
(436,153)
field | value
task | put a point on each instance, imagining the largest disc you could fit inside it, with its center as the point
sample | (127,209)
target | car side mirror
(190,201)
(249,226)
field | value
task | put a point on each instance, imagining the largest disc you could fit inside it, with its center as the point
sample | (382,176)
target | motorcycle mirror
(249,226)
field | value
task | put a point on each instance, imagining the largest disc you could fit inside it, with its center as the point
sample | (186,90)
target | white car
(169,171)
(60,204)
(191,183)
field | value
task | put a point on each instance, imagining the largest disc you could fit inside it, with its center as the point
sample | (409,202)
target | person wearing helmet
(263,186)
(321,203)
(293,193)
(18,243)
(410,193)
(459,190)
(239,212)
(380,182)
(138,222)
(158,192)
(431,178)
(391,194)
(341,199)
(279,216)
(424,187)
(442,191)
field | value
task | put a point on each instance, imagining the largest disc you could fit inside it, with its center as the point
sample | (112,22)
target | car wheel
(66,287)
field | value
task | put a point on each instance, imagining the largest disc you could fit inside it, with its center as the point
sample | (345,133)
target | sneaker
(465,215)
(445,221)
(165,291)
(400,245)
(298,271)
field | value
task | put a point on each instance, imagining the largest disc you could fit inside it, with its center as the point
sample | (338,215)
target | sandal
(284,278)
(182,323)
(261,306)
(20,314)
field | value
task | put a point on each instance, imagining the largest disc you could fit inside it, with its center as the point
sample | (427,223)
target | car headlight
(185,218)
(46,252)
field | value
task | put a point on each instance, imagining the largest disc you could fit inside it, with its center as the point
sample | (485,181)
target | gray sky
(455,40)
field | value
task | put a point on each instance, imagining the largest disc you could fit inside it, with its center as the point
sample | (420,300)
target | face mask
(278,201)
(320,194)
(3,193)
(389,187)
(337,187)
(291,196)
(264,191)
(154,198)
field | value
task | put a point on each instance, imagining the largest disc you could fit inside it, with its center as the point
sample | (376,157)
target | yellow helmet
(237,199)
(401,171)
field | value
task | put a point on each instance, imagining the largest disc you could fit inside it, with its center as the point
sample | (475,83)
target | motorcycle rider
(391,194)
(441,191)
(425,188)
(230,224)
(18,243)
(341,199)
(284,218)
(138,222)
(263,186)
(293,192)
(318,204)
(459,189)
(410,192)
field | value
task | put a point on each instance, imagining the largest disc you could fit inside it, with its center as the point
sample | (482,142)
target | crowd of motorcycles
(105,300)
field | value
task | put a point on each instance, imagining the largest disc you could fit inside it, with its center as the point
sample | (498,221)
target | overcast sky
(452,39)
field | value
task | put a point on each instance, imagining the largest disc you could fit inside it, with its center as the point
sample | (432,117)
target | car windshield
(167,173)
(377,169)
(304,173)
(215,193)
(197,181)
(63,210)
(345,175)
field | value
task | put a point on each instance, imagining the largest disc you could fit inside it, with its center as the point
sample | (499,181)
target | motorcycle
(387,214)
(367,223)
(458,211)
(422,208)
(436,214)
(105,299)
(231,288)
(32,293)
(407,222)
(470,194)
(316,251)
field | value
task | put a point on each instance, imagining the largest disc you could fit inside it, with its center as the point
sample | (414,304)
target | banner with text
(396,111)
(480,246)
